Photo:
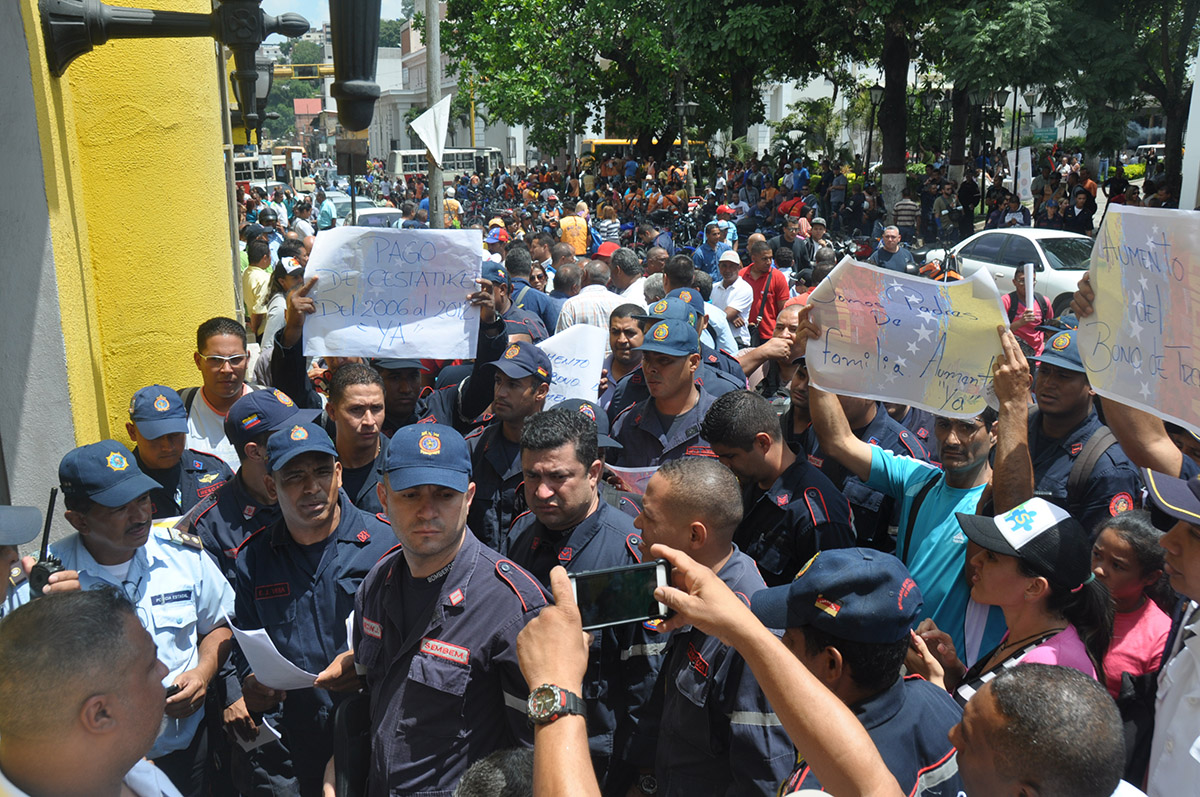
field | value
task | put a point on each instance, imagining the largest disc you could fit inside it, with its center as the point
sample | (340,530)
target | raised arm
(1012,474)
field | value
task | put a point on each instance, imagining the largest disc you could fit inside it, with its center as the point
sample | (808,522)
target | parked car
(1059,258)
(369,216)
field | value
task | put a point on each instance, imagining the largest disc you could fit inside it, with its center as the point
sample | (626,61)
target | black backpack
(1014,297)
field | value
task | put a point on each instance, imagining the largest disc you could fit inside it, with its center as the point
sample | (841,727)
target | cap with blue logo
(855,594)
(1062,351)
(494,272)
(524,359)
(263,411)
(692,297)
(158,410)
(673,337)
(104,472)
(295,439)
(672,307)
(1042,535)
(592,410)
(428,453)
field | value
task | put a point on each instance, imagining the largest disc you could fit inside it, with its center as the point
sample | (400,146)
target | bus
(625,146)
(247,172)
(408,163)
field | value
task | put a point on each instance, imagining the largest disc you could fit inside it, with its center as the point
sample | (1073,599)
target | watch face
(543,702)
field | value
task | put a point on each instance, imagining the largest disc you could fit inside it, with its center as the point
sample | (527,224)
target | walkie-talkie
(47,564)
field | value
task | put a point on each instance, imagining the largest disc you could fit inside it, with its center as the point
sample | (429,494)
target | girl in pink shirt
(1127,559)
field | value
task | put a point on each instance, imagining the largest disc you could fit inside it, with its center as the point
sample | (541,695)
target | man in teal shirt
(327,215)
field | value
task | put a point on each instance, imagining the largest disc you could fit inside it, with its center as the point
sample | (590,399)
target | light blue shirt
(707,257)
(180,596)
(719,325)
(327,214)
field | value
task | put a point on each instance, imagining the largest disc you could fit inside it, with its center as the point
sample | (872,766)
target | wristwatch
(648,784)
(549,702)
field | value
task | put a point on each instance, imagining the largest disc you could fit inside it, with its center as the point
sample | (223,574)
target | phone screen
(611,597)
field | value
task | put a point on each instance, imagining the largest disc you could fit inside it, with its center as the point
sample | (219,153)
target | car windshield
(342,205)
(1068,254)
(374,219)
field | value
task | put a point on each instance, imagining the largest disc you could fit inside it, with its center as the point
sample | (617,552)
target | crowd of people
(866,598)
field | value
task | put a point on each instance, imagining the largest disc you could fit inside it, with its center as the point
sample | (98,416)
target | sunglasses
(217,360)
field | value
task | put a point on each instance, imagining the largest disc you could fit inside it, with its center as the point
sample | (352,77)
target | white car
(1059,259)
(369,216)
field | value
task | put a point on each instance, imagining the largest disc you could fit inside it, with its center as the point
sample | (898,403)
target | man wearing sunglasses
(222,358)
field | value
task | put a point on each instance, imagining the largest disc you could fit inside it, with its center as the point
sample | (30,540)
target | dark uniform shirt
(364,482)
(784,526)
(908,722)
(646,444)
(1109,489)
(920,422)
(624,660)
(523,322)
(874,512)
(196,476)
(231,515)
(725,362)
(496,471)
(717,732)
(451,692)
(632,387)
(303,608)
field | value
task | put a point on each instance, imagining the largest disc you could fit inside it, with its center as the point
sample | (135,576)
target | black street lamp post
(876,94)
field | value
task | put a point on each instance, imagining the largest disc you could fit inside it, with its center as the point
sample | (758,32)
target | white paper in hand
(266,735)
(268,664)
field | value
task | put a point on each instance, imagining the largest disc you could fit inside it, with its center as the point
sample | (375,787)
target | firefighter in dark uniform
(570,525)
(297,580)
(717,733)
(522,382)
(458,406)
(610,492)
(791,510)
(401,391)
(717,358)
(709,377)
(916,420)
(1059,430)
(158,427)
(874,512)
(848,616)
(517,321)
(666,425)
(435,626)
(356,407)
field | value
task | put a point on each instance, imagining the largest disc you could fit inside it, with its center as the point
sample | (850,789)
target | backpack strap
(520,296)
(188,394)
(1101,440)
(1012,306)
(912,515)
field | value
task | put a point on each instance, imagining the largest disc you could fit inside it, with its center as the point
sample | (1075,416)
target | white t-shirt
(739,296)
(144,780)
(206,431)
(303,227)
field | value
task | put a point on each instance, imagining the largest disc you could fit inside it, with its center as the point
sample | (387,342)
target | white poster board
(576,358)
(1141,345)
(394,293)
(891,337)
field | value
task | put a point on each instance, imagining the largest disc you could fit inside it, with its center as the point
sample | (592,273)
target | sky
(317,11)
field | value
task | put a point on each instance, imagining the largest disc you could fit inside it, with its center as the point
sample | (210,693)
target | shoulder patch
(632,542)
(526,587)
(185,538)
(16,576)
(1121,502)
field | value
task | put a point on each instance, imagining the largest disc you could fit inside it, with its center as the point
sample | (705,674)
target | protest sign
(892,337)
(577,357)
(394,293)
(1141,345)
(635,479)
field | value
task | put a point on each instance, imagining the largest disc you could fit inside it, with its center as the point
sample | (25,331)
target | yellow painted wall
(131,148)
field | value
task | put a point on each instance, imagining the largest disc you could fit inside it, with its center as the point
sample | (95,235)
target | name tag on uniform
(444,650)
(171,597)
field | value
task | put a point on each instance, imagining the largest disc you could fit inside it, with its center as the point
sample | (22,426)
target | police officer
(356,407)
(717,733)
(1059,430)
(569,524)
(435,626)
(521,324)
(711,379)
(180,596)
(849,615)
(297,579)
(667,424)
(459,405)
(18,525)
(873,511)
(522,382)
(791,509)
(158,427)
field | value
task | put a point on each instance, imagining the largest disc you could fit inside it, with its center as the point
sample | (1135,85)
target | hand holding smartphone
(619,595)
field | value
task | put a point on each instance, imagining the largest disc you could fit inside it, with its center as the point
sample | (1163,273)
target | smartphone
(618,595)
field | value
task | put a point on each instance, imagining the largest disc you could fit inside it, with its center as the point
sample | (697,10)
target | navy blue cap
(494,272)
(674,337)
(592,410)
(523,359)
(262,411)
(158,410)
(692,297)
(672,307)
(18,525)
(395,363)
(104,472)
(855,594)
(428,453)
(1179,498)
(293,440)
(1062,351)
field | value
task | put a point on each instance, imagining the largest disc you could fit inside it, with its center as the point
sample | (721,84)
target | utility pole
(433,93)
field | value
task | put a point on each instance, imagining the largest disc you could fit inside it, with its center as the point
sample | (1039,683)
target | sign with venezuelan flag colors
(892,337)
